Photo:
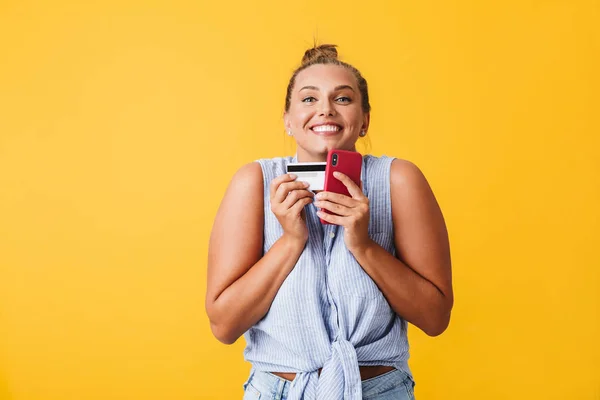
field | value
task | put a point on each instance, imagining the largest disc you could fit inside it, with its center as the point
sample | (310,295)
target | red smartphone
(348,163)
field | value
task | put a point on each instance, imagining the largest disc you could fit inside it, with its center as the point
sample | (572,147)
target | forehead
(325,77)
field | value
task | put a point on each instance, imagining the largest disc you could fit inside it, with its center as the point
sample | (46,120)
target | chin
(338,146)
(321,148)
(322,151)
(326,145)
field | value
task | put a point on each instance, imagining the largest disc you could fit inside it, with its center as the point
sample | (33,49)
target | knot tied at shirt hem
(339,379)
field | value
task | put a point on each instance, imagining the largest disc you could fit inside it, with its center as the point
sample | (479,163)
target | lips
(326,129)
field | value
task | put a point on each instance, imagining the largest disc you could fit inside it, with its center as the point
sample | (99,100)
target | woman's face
(325,111)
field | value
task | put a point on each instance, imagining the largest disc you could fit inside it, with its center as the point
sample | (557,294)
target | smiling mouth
(326,129)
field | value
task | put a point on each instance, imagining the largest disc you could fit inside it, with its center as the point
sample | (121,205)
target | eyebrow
(340,87)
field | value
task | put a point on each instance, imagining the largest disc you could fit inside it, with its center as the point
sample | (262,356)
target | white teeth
(326,128)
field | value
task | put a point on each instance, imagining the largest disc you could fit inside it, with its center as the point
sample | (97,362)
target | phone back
(348,163)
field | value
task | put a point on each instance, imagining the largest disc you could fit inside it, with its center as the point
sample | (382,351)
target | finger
(334,208)
(274,185)
(332,219)
(294,196)
(352,187)
(285,188)
(337,198)
(300,204)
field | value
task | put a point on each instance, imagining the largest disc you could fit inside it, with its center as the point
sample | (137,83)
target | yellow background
(121,124)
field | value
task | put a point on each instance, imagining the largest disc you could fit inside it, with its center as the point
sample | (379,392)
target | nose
(327,109)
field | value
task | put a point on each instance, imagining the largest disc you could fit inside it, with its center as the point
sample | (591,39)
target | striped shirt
(329,313)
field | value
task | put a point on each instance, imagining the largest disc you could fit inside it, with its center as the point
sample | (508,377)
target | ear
(287,123)
(366,121)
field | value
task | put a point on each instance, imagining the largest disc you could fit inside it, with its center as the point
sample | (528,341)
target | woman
(324,308)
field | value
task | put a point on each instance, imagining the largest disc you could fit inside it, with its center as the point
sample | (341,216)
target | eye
(309,99)
(343,99)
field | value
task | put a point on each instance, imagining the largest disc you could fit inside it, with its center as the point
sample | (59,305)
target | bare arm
(241,285)
(417,284)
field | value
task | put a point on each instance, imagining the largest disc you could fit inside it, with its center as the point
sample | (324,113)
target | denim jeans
(392,385)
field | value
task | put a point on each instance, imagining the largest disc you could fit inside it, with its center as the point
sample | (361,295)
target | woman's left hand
(352,213)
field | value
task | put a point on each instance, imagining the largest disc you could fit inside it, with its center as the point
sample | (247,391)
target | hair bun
(322,51)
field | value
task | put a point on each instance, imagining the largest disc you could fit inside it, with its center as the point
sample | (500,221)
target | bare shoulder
(405,174)
(241,207)
(415,210)
(248,179)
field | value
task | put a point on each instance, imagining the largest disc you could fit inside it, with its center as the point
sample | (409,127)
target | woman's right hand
(288,198)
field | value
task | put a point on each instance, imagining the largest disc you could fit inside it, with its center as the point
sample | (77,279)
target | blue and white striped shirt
(329,313)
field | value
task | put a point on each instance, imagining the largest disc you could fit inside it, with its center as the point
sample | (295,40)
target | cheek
(354,117)
(300,115)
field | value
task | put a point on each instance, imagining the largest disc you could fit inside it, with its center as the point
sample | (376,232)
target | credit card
(311,172)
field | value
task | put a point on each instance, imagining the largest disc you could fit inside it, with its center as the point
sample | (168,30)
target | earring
(290,133)
(363,133)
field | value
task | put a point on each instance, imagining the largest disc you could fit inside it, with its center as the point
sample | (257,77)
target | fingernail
(293,176)
(306,184)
